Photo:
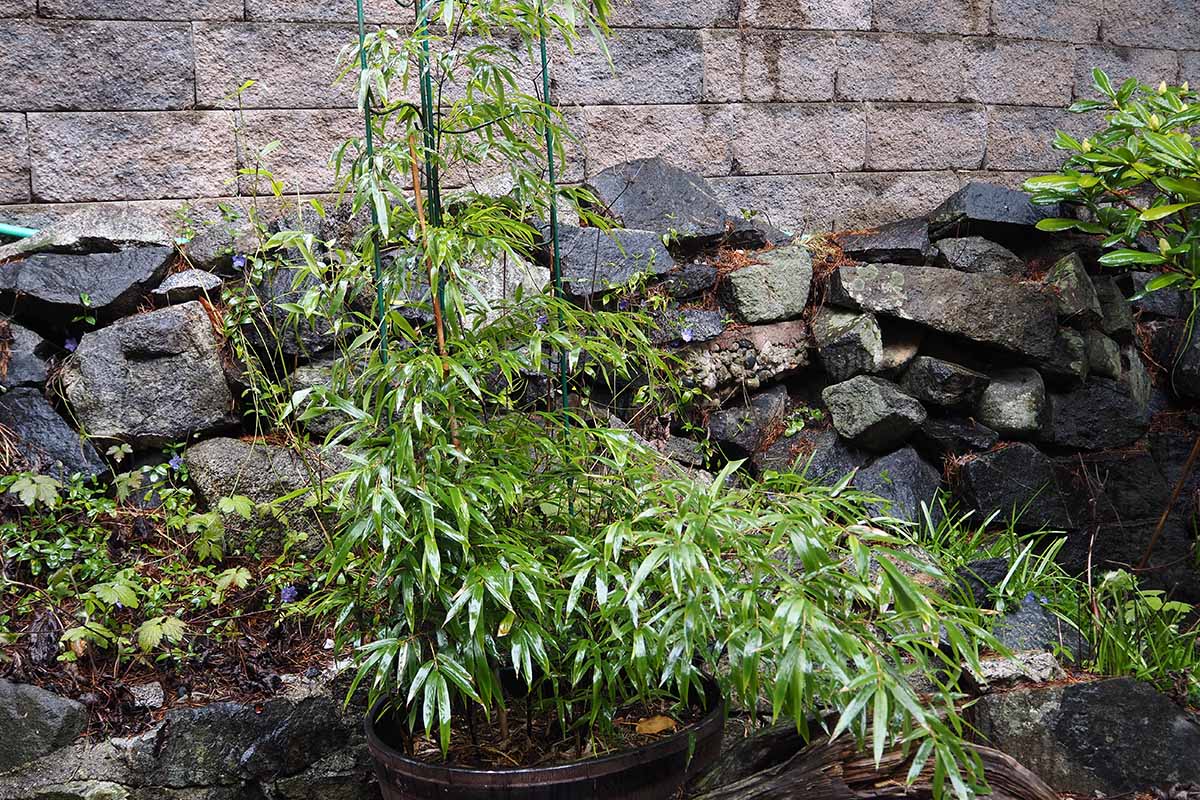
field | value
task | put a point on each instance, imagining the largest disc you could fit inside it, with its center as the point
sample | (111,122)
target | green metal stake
(381,310)
(428,123)
(16,231)
(555,258)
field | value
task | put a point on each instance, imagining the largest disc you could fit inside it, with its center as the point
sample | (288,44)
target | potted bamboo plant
(538,605)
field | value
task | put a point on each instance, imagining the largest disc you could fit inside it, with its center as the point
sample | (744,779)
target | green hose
(17,232)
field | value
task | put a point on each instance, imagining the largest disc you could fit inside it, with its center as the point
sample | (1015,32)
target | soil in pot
(654,748)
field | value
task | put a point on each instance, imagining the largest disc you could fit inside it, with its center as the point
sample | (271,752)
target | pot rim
(712,722)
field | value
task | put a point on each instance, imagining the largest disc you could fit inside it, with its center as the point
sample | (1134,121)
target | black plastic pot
(654,772)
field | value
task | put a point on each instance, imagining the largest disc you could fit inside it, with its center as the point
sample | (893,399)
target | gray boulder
(104,229)
(54,288)
(686,325)
(262,472)
(1069,366)
(151,379)
(191,284)
(650,194)
(945,384)
(873,413)
(998,673)
(989,309)
(904,482)
(848,343)
(1116,318)
(1103,355)
(594,261)
(1016,482)
(1078,303)
(985,209)
(45,443)
(24,356)
(1014,403)
(773,289)
(976,254)
(904,242)
(214,248)
(739,431)
(1107,737)
(35,722)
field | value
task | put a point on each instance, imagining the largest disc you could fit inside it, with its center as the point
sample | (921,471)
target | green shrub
(1138,176)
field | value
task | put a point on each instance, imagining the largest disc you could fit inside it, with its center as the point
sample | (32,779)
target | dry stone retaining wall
(821,112)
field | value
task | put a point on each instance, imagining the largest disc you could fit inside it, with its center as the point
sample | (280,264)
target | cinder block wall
(819,112)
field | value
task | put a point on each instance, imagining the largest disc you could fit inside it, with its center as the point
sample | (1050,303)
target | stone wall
(820,112)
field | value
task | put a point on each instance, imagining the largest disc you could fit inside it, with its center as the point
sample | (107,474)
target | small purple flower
(239,261)
(541,321)
(70,344)
(176,462)
(623,304)
(288,594)
(687,334)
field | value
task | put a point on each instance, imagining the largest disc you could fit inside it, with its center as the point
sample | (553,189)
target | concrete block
(79,157)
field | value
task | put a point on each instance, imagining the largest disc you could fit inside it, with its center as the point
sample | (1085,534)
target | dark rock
(684,451)
(989,309)
(651,195)
(1170,449)
(819,455)
(103,229)
(739,431)
(1185,365)
(594,261)
(1014,403)
(24,356)
(873,413)
(985,209)
(45,443)
(262,472)
(848,343)
(941,383)
(1101,414)
(748,357)
(1116,318)
(1078,303)
(685,326)
(35,722)
(151,379)
(224,743)
(1165,303)
(1033,627)
(1114,486)
(904,242)
(978,578)
(689,281)
(191,284)
(937,438)
(1015,482)
(270,331)
(1109,737)
(1116,545)
(773,289)
(976,254)
(905,482)
(1069,366)
(50,287)
(1103,355)
(310,376)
